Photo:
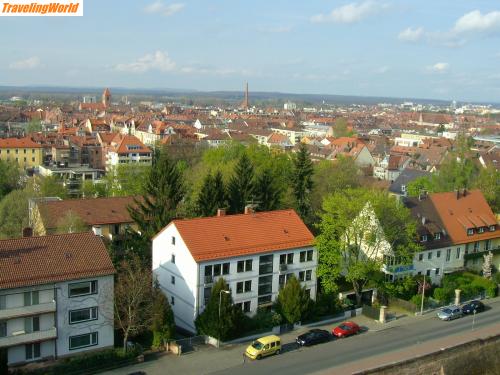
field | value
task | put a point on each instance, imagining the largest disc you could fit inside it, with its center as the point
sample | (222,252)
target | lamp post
(220,302)
(423,294)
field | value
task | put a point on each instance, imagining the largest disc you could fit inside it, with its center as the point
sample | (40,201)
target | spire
(245,103)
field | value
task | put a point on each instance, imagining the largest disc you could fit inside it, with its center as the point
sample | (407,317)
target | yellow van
(263,347)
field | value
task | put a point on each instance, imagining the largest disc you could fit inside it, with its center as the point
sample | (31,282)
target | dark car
(313,337)
(346,329)
(472,306)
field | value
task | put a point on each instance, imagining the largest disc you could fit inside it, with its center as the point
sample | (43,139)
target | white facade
(49,321)
(187,283)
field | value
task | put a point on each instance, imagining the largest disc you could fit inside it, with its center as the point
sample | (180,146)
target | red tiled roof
(469,211)
(121,143)
(18,143)
(237,235)
(40,260)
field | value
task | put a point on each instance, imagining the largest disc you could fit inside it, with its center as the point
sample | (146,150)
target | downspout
(55,321)
(197,306)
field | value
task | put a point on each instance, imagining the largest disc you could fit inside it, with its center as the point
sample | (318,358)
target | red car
(346,329)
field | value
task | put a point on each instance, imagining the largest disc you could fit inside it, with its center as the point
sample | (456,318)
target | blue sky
(447,49)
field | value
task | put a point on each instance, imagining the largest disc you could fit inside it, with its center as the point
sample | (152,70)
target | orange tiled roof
(18,143)
(469,211)
(238,235)
(48,259)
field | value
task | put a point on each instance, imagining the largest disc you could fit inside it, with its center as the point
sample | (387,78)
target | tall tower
(245,103)
(106,97)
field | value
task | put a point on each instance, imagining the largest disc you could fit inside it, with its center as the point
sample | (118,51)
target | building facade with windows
(254,252)
(24,151)
(56,297)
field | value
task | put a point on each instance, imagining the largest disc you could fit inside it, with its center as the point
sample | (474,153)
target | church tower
(106,97)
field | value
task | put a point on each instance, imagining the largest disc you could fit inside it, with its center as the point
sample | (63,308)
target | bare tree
(133,298)
(70,222)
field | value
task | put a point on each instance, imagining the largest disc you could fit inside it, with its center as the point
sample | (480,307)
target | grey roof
(405,177)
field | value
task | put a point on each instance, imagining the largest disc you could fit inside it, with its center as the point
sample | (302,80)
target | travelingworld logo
(19,8)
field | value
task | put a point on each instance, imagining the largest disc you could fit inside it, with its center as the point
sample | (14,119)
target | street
(381,344)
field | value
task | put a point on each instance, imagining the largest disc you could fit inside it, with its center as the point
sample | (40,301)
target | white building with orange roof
(126,149)
(255,253)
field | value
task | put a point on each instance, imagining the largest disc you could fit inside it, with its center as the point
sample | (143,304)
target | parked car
(472,306)
(313,337)
(450,313)
(346,329)
(263,347)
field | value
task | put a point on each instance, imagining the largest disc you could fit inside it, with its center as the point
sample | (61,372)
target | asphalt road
(339,352)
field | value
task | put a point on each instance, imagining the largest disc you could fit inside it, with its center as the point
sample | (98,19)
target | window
(217,269)
(429,255)
(172,300)
(428,272)
(458,253)
(225,268)
(487,246)
(265,285)
(470,231)
(302,258)
(244,265)
(32,351)
(248,286)
(82,341)
(438,254)
(3,302)
(437,236)
(480,230)
(283,259)
(437,271)
(248,265)
(173,240)
(476,246)
(264,300)
(308,275)
(420,257)
(32,324)
(423,238)
(31,298)
(265,264)
(173,258)
(492,228)
(3,329)
(448,255)
(207,292)
(302,275)
(310,255)
(244,287)
(208,270)
(308,293)
(172,280)
(82,315)
(33,159)
(246,307)
(403,188)
(83,288)
(282,279)
(289,258)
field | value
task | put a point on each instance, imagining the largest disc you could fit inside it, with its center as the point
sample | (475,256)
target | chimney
(221,212)
(28,232)
(248,210)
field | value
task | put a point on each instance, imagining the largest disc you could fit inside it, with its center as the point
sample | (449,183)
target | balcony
(18,312)
(471,254)
(21,337)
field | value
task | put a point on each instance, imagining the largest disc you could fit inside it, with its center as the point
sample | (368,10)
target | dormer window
(403,188)
(424,238)
(437,236)
(492,228)
(470,231)
(480,230)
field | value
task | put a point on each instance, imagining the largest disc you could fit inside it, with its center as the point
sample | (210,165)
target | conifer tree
(220,191)
(164,190)
(206,198)
(302,181)
(241,186)
(162,319)
(267,193)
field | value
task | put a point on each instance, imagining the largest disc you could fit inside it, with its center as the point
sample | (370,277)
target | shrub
(417,300)
(443,294)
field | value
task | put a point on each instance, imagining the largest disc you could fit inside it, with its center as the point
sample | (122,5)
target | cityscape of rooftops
(249,187)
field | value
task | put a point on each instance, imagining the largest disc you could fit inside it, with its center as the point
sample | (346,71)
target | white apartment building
(127,149)
(56,297)
(254,252)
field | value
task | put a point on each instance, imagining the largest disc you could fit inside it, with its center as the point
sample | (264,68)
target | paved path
(394,341)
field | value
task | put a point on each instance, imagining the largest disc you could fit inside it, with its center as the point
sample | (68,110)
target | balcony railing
(471,254)
(21,311)
(25,338)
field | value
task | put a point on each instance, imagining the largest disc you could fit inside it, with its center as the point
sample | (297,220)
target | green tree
(488,181)
(13,214)
(34,126)
(341,129)
(162,320)
(267,192)
(70,222)
(220,190)
(241,186)
(10,177)
(219,318)
(292,301)
(419,185)
(126,180)
(49,186)
(163,192)
(302,182)
(357,229)
(206,204)
(89,189)
(128,245)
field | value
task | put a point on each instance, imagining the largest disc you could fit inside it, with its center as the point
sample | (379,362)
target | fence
(371,312)
(401,303)
(189,344)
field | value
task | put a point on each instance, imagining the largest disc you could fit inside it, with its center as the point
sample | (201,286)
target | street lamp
(423,294)
(220,302)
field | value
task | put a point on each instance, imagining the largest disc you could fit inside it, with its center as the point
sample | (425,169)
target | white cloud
(164,9)
(26,64)
(350,13)
(440,67)
(411,34)
(475,21)
(158,60)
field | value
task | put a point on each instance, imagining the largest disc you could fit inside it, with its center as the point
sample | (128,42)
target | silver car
(450,313)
